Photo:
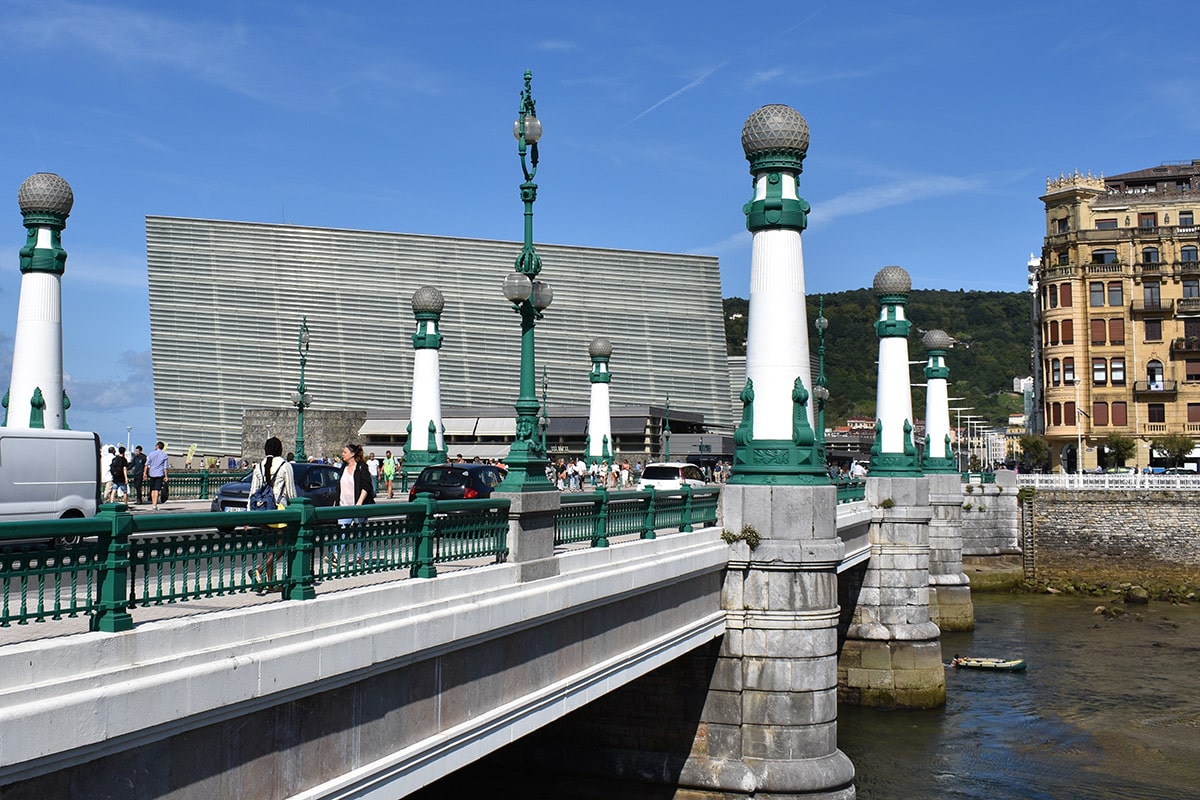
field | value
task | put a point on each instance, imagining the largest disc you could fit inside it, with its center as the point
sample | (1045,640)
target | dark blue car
(317,482)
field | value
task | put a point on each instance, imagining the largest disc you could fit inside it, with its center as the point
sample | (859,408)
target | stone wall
(991,518)
(1119,535)
(325,432)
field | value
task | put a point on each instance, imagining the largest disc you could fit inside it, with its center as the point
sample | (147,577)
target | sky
(934,126)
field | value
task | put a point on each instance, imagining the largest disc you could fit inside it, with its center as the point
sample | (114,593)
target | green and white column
(775,442)
(950,606)
(35,397)
(426,442)
(892,654)
(769,725)
(599,440)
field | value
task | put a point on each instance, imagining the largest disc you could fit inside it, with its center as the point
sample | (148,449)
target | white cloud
(895,193)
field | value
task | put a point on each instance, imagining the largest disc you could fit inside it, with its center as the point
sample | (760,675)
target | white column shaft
(777,334)
(893,393)
(426,398)
(937,417)
(37,351)
(599,421)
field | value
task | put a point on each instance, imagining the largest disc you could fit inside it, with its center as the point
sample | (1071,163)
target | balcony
(1188,346)
(1158,388)
(1188,305)
(1060,271)
(1115,268)
(1152,306)
(1151,269)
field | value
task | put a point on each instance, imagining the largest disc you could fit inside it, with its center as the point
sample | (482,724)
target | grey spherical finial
(892,280)
(937,340)
(47,193)
(428,299)
(775,129)
(600,347)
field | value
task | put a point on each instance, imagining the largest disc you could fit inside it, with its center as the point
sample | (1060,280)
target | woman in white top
(278,473)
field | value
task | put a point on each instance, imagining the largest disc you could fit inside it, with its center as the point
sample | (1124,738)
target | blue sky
(934,126)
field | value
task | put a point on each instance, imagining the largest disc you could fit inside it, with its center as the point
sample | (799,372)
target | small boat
(1003,664)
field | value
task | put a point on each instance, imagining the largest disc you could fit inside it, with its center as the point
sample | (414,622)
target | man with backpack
(272,485)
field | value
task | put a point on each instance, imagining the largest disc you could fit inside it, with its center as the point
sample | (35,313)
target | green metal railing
(125,562)
(188,485)
(595,517)
(978,477)
(851,490)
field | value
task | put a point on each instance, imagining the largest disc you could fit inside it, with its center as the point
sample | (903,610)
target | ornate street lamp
(301,399)
(821,387)
(545,418)
(667,431)
(530,296)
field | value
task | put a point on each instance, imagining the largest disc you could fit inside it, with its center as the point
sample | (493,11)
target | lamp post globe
(529,296)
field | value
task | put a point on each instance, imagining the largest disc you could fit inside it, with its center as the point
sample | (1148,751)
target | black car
(457,481)
(317,482)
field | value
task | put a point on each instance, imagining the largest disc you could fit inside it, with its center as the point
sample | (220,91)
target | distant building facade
(1117,307)
(227,298)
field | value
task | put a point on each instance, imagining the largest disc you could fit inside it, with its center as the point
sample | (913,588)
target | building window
(1107,224)
(1191,328)
(1185,219)
(1105,255)
(1099,372)
(1150,293)
(1068,370)
(1069,415)
(1148,220)
(1053,296)
(1096,294)
(1153,330)
(1068,332)
(1055,372)
(1116,294)
(1116,331)
(1116,371)
(1064,226)
(1149,255)
(1054,332)
(1189,254)
(1191,288)
(1119,414)
(1099,331)
(1193,412)
(1099,413)
(1156,412)
(1064,295)
(1064,259)
(1056,413)
(1154,375)
(1191,369)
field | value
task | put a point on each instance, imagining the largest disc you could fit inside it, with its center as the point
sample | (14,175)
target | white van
(48,474)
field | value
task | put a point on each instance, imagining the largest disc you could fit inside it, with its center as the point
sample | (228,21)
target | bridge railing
(188,485)
(596,516)
(851,490)
(1115,481)
(127,561)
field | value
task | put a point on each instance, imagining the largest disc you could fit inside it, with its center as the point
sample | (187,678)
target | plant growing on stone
(967,506)
(887,502)
(748,534)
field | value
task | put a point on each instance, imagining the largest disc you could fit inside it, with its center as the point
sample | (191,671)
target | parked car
(317,482)
(671,475)
(457,481)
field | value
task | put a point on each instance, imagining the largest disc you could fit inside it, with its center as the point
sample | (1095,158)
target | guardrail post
(424,567)
(300,546)
(600,533)
(112,598)
(203,484)
(685,523)
(648,525)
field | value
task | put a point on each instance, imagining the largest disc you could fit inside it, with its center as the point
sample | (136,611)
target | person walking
(276,472)
(120,479)
(137,471)
(354,487)
(156,473)
(389,472)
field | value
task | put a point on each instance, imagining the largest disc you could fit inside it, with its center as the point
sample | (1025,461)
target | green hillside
(992,329)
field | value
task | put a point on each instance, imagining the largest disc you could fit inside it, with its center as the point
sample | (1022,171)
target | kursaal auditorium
(227,300)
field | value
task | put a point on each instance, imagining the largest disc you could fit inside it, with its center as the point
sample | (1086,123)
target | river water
(1109,709)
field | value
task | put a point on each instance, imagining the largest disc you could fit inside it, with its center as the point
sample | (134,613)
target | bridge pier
(769,725)
(892,656)
(950,606)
